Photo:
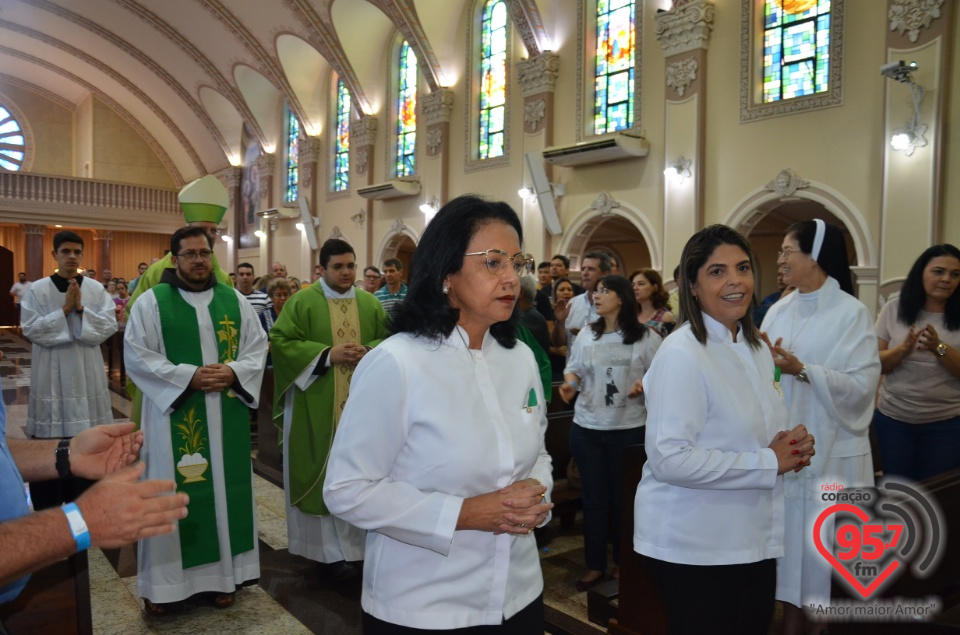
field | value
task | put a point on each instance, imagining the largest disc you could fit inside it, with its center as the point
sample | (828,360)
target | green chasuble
(199,543)
(303,330)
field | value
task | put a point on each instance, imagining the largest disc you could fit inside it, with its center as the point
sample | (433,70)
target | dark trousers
(528,621)
(917,450)
(735,599)
(599,456)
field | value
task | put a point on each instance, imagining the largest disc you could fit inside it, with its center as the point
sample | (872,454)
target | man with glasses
(196,349)
(394,291)
(317,341)
(203,203)
(371,279)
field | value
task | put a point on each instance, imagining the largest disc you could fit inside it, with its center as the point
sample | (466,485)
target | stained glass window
(796,48)
(613,83)
(12,145)
(293,157)
(493,78)
(341,171)
(407,112)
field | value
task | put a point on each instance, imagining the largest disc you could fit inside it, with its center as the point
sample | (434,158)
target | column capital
(310,150)
(685,27)
(538,74)
(363,131)
(230,176)
(34,230)
(103,234)
(436,107)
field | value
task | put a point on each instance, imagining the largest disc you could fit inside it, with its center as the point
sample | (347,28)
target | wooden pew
(566,494)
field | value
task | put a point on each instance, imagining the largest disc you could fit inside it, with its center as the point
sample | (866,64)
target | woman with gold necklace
(824,346)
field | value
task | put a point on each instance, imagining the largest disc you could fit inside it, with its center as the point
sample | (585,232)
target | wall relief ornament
(909,16)
(359,217)
(681,74)
(309,150)
(434,139)
(538,74)
(604,203)
(786,183)
(362,157)
(336,233)
(685,28)
(363,131)
(533,114)
(437,106)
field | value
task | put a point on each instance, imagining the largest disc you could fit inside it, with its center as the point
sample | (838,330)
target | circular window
(11,142)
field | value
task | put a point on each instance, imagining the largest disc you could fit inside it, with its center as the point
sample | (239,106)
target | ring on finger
(523,525)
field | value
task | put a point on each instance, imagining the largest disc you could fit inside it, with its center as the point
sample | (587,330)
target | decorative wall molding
(403,14)
(685,28)
(434,139)
(604,203)
(529,25)
(399,227)
(436,107)
(363,131)
(533,114)
(681,74)
(231,177)
(786,183)
(538,74)
(909,16)
(310,150)
(751,111)
(267,164)
(359,217)
(361,160)
(103,234)
(335,233)
(34,230)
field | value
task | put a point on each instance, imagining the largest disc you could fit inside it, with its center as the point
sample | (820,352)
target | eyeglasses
(786,253)
(192,256)
(497,260)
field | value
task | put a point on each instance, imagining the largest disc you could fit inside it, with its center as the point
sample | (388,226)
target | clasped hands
(348,354)
(794,449)
(516,509)
(73,299)
(213,378)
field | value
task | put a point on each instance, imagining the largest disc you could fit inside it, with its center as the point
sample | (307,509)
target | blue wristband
(77,525)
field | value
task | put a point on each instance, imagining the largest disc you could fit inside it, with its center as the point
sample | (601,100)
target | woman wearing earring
(824,345)
(440,452)
(607,366)
(709,508)
(917,420)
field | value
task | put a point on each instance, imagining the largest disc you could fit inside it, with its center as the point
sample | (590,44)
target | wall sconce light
(359,217)
(430,209)
(260,234)
(529,194)
(525,193)
(227,238)
(679,170)
(911,136)
(299,226)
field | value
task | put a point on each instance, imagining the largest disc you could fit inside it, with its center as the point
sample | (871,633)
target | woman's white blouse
(429,423)
(710,494)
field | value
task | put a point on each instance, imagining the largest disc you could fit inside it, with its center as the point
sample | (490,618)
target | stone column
(310,153)
(101,251)
(538,79)
(33,250)
(435,111)
(684,35)
(232,179)
(267,163)
(363,137)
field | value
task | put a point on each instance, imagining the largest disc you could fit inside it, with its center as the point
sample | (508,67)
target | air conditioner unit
(395,188)
(613,148)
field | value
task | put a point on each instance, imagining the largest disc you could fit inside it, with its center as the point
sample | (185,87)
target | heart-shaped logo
(881,576)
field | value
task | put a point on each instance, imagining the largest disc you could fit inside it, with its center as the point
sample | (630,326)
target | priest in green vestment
(197,350)
(319,338)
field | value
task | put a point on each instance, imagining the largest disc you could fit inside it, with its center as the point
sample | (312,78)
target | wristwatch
(941,349)
(802,375)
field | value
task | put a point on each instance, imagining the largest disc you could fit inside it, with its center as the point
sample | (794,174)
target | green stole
(199,543)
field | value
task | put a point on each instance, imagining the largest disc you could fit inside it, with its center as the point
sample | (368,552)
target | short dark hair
(371,268)
(187,232)
(913,296)
(246,265)
(334,247)
(22,273)
(561,281)
(393,262)
(602,256)
(543,265)
(833,257)
(660,297)
(66,236)
(142,264)
(627,322)
(566,261)
(695,254)
(427,312)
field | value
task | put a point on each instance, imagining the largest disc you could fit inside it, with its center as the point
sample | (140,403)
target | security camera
(899,70)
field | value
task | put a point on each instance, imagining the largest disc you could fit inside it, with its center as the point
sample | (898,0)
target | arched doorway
(618,236)
(400,243)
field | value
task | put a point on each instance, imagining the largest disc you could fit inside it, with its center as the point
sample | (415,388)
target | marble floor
(293,595)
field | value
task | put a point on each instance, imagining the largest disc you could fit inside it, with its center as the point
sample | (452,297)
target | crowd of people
(413,414)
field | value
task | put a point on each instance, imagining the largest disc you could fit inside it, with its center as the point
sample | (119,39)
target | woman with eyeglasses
(709,507)
(606,366)
(458,476)
(825,348)
(653,301)
(917,420)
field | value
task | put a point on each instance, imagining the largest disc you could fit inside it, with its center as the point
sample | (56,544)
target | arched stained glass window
(12,145)
(293,158)
(407,112)
(493,78)
(796,48)
(613,79)
(341,172)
